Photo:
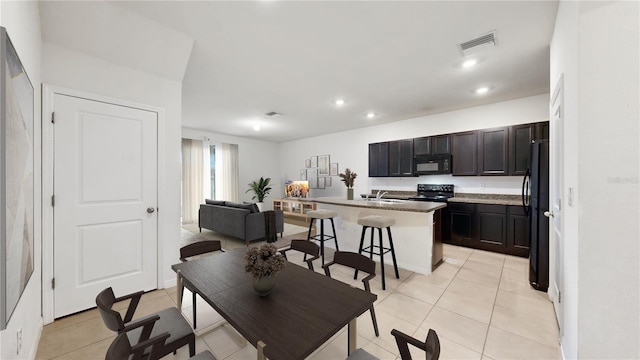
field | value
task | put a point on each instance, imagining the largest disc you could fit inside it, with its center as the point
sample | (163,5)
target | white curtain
(192,179)
(206,172)
(229,173)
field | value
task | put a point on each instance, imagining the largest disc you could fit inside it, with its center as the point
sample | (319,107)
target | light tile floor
(479,303)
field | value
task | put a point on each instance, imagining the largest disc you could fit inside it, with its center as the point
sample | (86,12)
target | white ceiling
(399,59)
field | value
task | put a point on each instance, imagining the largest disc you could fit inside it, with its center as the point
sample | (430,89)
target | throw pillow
(214,202)
(249,207)
(254,206)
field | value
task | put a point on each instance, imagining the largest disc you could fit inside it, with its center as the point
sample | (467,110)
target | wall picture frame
(321,183)
(323,165)
(314,161)
(303,174)
(307,163)
(327,182)
(333,169)
(16,178)
(312,178)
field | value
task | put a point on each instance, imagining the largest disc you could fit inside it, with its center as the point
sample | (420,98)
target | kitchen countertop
(492,199)
(411,206)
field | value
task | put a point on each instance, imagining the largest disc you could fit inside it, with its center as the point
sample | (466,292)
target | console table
(294,207)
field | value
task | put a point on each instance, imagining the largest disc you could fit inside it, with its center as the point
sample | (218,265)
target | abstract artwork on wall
(16,178)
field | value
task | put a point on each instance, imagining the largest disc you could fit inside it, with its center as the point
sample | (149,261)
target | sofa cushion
(253,208)
(214,202)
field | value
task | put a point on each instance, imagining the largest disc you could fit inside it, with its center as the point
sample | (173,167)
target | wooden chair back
(355,261)
(199,248)
(111,318)
(306,247)
(431,345)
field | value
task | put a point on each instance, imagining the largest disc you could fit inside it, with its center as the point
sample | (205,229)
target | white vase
(260,206)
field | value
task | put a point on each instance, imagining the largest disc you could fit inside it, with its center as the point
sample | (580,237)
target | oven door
(432,164)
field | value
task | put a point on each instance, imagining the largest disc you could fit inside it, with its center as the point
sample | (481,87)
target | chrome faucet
(379,196)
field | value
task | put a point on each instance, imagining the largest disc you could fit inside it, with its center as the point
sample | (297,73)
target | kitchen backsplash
(509,185)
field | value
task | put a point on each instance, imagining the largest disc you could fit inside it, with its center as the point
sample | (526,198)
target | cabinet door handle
(150,210)
(548,214)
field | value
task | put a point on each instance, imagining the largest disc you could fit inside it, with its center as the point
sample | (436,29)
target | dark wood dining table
(303,311)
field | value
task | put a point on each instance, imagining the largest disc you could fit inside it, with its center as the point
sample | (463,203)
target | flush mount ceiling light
(256,127)
(371,115)
(482,90)
(469,63)
(339,102)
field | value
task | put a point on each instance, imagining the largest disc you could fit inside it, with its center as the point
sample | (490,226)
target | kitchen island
(413,232)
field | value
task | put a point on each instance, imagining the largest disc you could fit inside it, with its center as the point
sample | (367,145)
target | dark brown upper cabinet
(401,157)
(520,137)
(441,144)
(379,159)
(465,153)
(432,145)
(542,130)
(493,151)
(422,146)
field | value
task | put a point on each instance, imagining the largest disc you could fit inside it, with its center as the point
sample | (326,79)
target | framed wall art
(16,178)
(323,165)
(303,174)
(312,178)
(307,163)
(333,169)
(314,161)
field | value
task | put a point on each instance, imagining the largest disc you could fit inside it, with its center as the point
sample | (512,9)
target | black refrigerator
(535,199)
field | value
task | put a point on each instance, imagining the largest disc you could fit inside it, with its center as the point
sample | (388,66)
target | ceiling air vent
(478,43)
(273,113)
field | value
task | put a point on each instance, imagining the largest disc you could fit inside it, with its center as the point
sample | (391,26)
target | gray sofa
(242,221)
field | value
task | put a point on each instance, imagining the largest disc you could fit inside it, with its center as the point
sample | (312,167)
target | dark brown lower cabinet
(491,228)
(498,228)
(518,231)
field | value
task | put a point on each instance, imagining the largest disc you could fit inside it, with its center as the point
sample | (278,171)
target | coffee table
(304,310)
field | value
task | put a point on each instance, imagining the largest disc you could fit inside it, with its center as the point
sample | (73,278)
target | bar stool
(321,215)
(378,222)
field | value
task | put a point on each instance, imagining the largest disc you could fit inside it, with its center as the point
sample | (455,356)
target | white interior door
(556,193)
(105,188)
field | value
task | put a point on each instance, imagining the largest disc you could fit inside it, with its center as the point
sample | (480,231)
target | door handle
(548,214)
(150,210)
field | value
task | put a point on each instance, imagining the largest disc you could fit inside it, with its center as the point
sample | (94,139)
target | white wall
(256,158)
(22,21)
(80,72)
(350,148)
(595,45)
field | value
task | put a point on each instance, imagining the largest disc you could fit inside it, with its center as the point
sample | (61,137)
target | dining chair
(305,246)
(431,347)
(121,347)
(357,262)
(189,251)
(169,320)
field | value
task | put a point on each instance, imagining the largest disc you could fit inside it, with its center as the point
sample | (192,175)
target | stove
(433,192)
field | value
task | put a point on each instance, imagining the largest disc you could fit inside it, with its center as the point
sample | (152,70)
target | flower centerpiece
(348,177)
(264,263)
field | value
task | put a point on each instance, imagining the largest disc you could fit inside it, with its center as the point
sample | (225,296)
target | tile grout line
(484,345)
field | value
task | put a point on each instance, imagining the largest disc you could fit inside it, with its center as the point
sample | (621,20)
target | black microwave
(432,164)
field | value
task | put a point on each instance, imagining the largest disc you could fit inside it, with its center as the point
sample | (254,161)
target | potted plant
(264,263)
(260,190)
(348,177)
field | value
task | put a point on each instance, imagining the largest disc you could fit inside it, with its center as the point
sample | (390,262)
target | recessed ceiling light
(469,63)
(371,115)
(339,102)
(482,90)
(256,127)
